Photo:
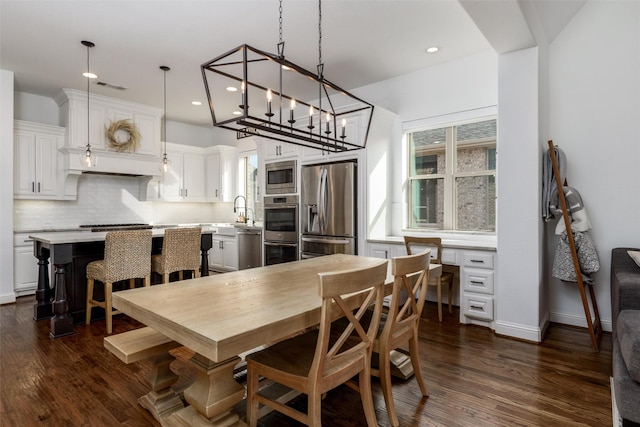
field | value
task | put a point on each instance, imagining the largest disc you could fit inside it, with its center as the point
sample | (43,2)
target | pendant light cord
(319,31)
(88,109)
(164,69)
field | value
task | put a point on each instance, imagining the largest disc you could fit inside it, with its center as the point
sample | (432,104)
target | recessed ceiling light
(196,102)
(90,75)
(232,88)
(284,67)
(433,49)
(236,113)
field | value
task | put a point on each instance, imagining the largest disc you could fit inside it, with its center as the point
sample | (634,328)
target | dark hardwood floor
(475,378)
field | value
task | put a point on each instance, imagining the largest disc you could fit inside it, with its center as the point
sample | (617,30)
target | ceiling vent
(112,86)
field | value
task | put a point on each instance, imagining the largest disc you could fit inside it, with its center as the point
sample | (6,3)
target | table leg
(61,322)
(206,242)
(42,309)
(162,400)
(211,396)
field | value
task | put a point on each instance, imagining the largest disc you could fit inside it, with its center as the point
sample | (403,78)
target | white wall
(35,108)
(6,187)
(465,85)
(594,117)
(518,270)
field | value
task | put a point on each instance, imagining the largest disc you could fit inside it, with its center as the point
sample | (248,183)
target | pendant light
(290,91)
(165,160)
(89,157)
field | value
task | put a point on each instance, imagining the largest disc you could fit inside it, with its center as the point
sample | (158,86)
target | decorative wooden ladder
(595,327)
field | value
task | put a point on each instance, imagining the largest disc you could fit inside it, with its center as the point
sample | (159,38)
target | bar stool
(127,256)
(180,251)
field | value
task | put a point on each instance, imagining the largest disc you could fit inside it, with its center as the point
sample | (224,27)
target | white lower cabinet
(25,266)
(224,253)
(477,282)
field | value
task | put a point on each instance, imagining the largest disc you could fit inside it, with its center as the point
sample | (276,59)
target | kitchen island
(69,252)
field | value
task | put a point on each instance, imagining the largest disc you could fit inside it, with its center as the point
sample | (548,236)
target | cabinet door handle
(477,282)
(33,187)
(258,190)
(216,193)
(185,192)
(477,307)
(38,187)
(477,261)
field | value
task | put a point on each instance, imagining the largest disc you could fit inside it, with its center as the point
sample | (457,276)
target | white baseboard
(7,298)
(515,330)
(577,320)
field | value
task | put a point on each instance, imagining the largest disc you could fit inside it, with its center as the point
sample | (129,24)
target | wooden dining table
(222,316)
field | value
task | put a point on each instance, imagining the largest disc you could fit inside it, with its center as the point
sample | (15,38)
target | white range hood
(144,162)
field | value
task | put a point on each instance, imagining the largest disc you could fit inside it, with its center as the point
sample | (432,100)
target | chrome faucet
(235,200)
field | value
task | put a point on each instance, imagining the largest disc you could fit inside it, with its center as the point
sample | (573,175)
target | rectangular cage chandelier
(257,93)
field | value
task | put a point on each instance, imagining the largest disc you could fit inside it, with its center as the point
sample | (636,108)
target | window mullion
(449,196)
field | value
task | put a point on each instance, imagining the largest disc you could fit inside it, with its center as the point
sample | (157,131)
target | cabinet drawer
(449,256)
(478,259)
(477,306)
(477,280)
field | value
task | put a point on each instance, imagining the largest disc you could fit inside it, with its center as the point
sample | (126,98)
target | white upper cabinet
(221,173)
(36,160)
(274,150)
(184,181)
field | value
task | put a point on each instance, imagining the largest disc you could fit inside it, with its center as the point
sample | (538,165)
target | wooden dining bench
(146,343)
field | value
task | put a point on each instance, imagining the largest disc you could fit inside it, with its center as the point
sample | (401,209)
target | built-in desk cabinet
(36,160)
(473,269)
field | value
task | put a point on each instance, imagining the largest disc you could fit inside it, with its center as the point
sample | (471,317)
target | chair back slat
(411,274)
(334,288)
(127,254)
(181,249)
(416,244)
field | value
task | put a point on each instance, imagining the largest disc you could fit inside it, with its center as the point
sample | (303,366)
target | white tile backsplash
(106,199)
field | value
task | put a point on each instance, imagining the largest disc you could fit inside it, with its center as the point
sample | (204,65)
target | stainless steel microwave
(280,177)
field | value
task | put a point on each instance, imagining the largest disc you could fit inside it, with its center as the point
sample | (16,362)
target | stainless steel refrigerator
(328,199)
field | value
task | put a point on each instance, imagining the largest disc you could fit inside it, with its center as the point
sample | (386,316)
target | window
(248,185)
(452,177)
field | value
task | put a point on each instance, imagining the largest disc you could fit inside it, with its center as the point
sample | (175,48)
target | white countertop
(484,244)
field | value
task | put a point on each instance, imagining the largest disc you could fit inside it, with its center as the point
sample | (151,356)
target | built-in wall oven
(281,232)
(280,177)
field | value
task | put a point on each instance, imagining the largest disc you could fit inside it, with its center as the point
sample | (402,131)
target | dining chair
(445,278)
(180,252)
(127,256)
(401,322)
(318,361)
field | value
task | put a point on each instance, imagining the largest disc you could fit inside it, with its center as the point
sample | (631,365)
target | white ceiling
(362,42)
